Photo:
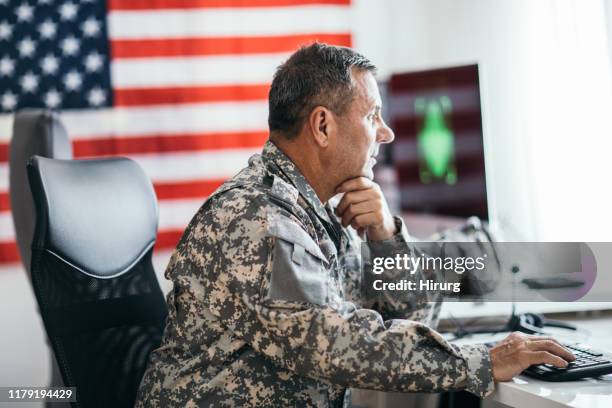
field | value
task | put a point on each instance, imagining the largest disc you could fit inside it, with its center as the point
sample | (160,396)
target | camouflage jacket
(267,309)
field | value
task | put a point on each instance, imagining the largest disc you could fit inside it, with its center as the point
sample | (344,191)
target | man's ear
(322,123)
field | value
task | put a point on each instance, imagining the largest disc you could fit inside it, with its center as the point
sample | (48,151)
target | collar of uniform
(272,153)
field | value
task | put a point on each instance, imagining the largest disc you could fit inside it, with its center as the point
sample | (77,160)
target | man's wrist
(384,232)
(397,233)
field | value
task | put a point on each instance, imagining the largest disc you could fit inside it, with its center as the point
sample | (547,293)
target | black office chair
(35,132)
(92,274)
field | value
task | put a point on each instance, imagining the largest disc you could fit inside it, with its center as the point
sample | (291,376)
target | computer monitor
(439,149)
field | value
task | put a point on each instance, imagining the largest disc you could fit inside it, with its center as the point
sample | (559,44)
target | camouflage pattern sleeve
(411,305)
(267,284)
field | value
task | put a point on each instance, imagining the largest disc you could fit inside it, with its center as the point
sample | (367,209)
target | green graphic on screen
(436,141)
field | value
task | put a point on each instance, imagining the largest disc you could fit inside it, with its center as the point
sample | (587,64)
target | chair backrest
(35,132)
(103,309)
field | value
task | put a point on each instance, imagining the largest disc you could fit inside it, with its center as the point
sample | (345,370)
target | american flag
(180,86)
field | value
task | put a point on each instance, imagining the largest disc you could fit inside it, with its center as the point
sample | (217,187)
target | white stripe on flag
(176,214)
(177,167)
(234,22)
(194,166)
(194,71)
(165,119)
(4,177)
(6,127)
(7,231)
(203,117)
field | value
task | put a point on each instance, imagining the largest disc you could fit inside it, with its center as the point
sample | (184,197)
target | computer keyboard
(588,363)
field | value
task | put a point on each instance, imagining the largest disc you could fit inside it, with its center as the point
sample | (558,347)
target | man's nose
(385,134)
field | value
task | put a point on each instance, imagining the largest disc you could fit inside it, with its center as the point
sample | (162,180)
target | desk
(528,392)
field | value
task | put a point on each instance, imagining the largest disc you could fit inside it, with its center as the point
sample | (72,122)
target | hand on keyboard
(589,363)
(518,351)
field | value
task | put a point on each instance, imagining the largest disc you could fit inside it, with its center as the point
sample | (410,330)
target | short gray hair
(315,75)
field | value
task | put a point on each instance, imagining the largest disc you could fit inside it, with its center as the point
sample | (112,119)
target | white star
(93,62)
(29,82)
(53,99)
(96,96)
(91,27)
(47,29)
(73,80)
(7,66)
(49,64)
(26,47)
(5,30)
(24,12)
(9,100)
(44,1)
(70,46)
(68,11)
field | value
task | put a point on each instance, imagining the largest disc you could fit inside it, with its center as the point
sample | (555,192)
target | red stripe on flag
(168,143)
(168,239)
(177,47)
(5,202)
(9,253)
(114,5)
(186,189)
(178,95)
(4,152)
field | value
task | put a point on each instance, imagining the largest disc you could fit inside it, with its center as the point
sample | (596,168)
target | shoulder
(247,209)
(268,190)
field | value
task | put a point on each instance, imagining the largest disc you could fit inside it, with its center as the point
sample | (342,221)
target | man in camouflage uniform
(267,307)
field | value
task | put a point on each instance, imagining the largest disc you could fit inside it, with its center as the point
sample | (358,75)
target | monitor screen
(439,150)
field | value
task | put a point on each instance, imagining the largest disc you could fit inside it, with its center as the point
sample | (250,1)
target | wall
(546,96)
(608,5)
